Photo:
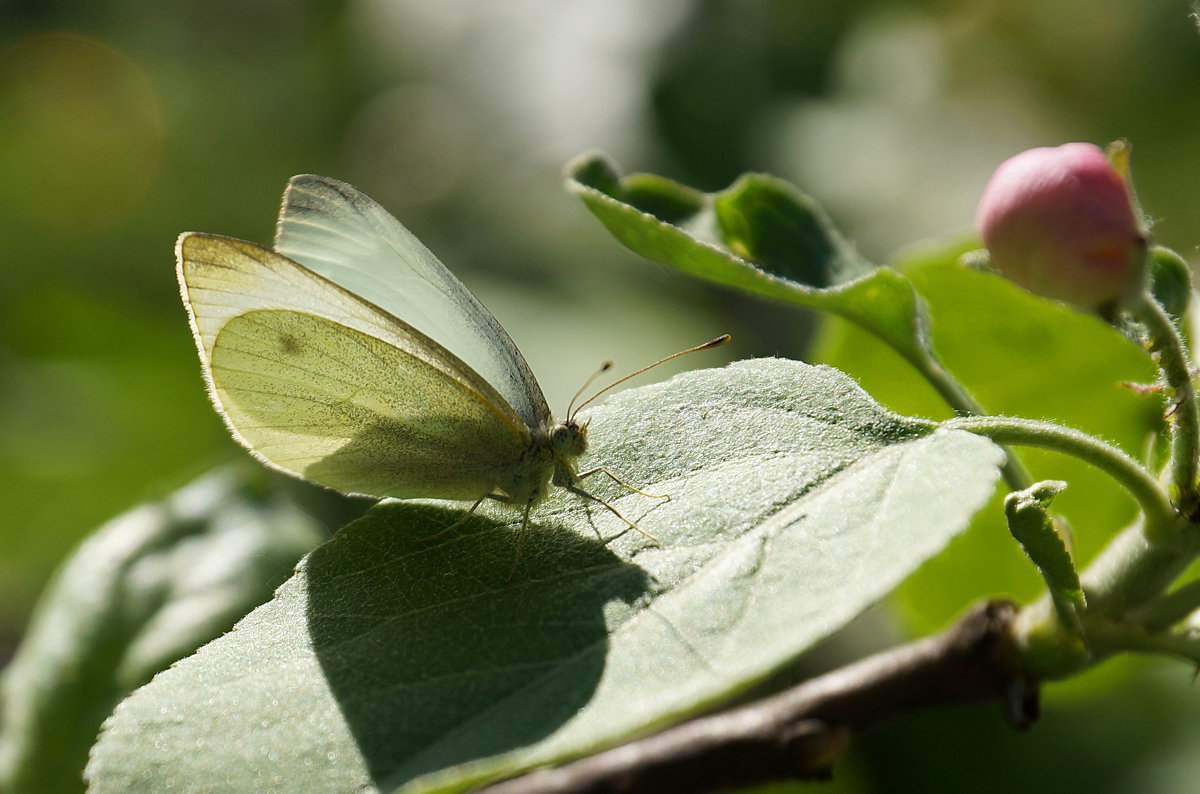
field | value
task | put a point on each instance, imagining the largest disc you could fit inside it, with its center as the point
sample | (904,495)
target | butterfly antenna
(605,367)
(720,340)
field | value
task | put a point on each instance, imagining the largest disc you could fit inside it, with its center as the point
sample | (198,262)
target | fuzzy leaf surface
(796,503)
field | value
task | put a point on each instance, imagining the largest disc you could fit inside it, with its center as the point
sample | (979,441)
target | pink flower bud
(1061,223)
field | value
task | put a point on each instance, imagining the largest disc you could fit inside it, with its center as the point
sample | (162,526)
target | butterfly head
(568,440)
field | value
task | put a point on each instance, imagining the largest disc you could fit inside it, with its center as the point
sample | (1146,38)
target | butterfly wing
(319,383)
(338,231)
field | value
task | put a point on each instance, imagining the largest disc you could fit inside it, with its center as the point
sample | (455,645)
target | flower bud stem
(1141,485)
(1171,355)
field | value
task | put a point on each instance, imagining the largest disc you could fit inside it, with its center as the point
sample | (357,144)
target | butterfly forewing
(341,233)
(322,384)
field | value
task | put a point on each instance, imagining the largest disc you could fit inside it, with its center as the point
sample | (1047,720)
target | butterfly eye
(560,437)
(568,438)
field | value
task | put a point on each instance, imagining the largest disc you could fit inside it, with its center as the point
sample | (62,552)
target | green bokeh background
(123,123)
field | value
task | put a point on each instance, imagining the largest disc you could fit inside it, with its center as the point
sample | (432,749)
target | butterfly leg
(520,542)
(453,526)
(575,489)
(622,483)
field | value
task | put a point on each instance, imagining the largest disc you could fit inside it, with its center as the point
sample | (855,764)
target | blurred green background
(123,123)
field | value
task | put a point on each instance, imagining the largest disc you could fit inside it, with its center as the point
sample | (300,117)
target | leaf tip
(593,169)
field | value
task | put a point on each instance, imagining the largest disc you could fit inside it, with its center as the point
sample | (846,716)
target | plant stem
(1125,609)
(1170,609)
(958,398)
(1156,507)
(1107,637)
(1173,361)
(1136,567)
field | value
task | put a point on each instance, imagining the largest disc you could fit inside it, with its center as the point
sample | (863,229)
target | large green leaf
(146,589)
(796,502)
(760,235)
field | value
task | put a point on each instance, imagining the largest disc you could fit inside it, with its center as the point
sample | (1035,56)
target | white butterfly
(351,356)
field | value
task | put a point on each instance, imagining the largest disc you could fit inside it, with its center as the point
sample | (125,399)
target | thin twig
(801,731)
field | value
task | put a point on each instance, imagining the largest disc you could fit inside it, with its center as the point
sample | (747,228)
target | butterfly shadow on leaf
(433,659)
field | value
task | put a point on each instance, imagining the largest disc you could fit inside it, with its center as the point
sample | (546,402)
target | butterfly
(352,357)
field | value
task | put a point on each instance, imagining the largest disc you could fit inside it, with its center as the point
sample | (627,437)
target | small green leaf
(760,235)
(146,589)
(767,221)
(795,503)
(1046,540)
